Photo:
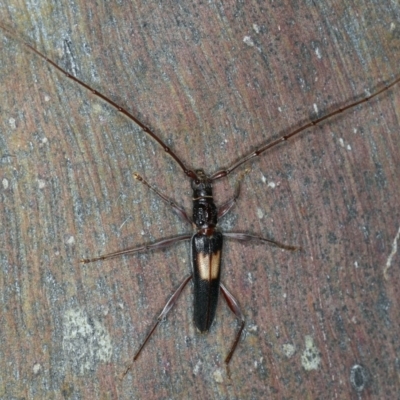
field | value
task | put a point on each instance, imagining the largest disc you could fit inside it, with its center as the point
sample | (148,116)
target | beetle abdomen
(206,264)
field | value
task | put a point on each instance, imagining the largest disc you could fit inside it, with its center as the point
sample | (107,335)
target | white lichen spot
(279,109)
(288,349)
(250,277)
(256,28)
(356,264)
(5,183)
(272,185)
(315,108)
(41,183)
(45,140)
(277,331)
(70,240)
(106,310)
(252,328)
(391,255)
(318,53)
(260,213)
(258,363)
(60,52)
(12,123)
(263,179)
(123,223)
(197,368)
(344,145)
(97,108)
(47,98)
(36,368)
(248,40)
(392,27)
(218,377)
(310,359)
(284,295)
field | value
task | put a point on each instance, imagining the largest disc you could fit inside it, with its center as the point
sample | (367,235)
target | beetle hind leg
(234,307)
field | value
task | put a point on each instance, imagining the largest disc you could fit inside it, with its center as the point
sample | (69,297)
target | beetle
(207,241)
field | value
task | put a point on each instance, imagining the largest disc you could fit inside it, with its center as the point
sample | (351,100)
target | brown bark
(215,82)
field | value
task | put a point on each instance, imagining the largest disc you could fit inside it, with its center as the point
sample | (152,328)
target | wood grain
(214,80)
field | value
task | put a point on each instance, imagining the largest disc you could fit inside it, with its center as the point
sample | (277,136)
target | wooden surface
(215,81)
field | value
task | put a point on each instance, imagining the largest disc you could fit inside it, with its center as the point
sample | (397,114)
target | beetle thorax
(205,213)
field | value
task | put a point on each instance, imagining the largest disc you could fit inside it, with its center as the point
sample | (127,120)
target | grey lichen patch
(310,359)
(288,349)
(86,341)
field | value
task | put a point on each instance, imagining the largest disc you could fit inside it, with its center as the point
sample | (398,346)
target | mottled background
(214,80)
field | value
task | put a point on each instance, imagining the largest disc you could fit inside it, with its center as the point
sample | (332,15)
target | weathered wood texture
(215,81)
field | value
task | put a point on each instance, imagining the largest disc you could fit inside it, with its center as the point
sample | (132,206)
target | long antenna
(190,173)
(224,172)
